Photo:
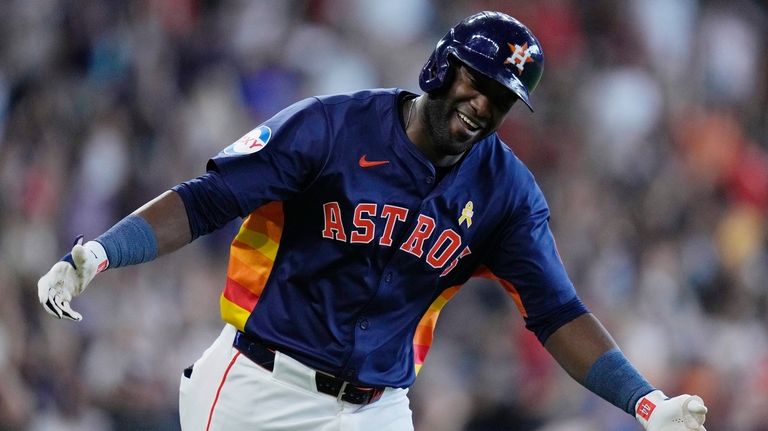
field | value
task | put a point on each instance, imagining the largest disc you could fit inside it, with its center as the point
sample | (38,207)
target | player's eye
(473,79)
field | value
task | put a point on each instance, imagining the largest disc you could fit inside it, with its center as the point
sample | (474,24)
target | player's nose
(482,105)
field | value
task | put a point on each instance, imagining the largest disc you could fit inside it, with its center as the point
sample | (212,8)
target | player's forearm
(170,221)
(168,218)
(578,344)
(587,352)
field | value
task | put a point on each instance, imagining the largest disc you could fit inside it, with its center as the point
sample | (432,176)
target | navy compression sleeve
(129,242)
(209,203)
(615,380)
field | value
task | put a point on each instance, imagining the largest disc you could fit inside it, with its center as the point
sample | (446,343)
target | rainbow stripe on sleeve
(423,337)
(252,256)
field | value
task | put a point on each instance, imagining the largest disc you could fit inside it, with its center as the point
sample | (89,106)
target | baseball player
(364,214)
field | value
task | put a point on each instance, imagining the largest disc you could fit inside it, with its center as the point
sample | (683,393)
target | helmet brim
(482,65)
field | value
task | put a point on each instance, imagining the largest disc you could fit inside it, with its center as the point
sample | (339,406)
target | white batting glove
(657,412)
(69,277)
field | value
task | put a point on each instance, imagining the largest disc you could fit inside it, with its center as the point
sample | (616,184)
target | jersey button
(364,324)
(388,277)
(430,180)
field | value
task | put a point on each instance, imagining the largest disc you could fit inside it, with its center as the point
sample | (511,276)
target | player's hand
(69,277)
(657,412)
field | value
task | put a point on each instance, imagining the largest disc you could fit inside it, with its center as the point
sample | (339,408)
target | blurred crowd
(650,140)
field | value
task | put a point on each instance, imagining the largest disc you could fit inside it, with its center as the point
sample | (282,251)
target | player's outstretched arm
(167,216)
(585,349)
(157,228)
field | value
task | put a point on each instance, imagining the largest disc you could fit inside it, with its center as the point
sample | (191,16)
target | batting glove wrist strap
(69,277)
(656,412)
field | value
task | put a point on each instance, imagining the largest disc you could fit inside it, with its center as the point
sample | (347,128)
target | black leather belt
(327,384)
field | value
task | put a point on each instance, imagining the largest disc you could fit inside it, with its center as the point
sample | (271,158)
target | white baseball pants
(228,392)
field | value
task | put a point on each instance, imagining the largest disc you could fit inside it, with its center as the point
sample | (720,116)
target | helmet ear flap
(449,72)
(430,78)
(431,70)
(437,72)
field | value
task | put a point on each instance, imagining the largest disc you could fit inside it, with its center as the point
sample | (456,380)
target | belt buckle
(342,391)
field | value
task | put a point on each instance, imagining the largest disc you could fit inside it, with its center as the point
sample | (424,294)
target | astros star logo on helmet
(520,56)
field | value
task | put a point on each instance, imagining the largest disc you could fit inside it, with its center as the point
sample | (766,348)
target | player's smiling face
(469,109)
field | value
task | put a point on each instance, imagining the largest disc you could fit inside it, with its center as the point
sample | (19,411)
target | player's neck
(417,131)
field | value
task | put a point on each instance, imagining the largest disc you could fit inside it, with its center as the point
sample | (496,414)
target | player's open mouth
(468,123)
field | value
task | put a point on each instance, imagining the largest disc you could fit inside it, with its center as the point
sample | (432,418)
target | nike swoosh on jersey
(364,163)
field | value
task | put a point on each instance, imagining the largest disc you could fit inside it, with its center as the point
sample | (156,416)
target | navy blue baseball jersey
(353,244)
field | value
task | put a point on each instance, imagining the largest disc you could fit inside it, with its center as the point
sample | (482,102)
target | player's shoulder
(513,181)
(502,159)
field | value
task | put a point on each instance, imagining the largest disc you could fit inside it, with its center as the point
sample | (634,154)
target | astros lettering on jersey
(377,244)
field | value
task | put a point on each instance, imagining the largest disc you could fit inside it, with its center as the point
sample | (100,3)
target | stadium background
(650,139)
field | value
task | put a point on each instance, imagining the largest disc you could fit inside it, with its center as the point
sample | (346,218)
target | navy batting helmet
(494,44)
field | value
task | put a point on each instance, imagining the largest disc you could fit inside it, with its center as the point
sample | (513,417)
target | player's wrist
(657,412)
(645,406)
(616,380)
(129,242)
(99,254)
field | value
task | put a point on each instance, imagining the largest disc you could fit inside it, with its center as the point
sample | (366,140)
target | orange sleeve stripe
(425,330)
(267,220)
(253,277)
(249,240)
(248,256)
(272,212)
(424,335)
(430,317)
(484,272)
(510,288)
(450,292)
(252,256)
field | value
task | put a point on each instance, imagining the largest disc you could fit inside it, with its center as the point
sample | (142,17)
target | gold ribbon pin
(466,214)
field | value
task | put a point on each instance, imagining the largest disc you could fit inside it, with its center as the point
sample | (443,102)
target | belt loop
(341,391)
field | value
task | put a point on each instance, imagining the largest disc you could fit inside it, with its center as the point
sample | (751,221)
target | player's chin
(457,147)
(461,141)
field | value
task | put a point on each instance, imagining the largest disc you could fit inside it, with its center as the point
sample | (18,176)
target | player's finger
(51,309)
(45,293)
(694,413)
(696,406)
(69,313)
(66,310)
(43,285)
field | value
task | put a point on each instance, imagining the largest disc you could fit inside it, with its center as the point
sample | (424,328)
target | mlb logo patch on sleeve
(252,142)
